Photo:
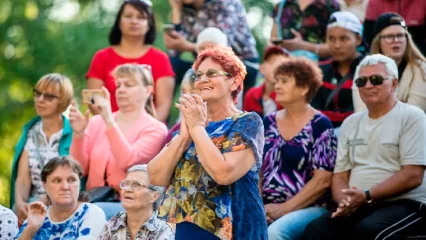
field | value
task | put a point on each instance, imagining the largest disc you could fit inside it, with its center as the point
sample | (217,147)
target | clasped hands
(353,199)
(194,113)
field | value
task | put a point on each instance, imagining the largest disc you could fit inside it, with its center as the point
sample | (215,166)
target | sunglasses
(134,185)
(375,80)
(46,96)
(211,73)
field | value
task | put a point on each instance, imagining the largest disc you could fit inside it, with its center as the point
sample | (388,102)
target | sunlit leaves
(31,10)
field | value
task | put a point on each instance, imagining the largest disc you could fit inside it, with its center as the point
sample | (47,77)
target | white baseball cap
(347,20)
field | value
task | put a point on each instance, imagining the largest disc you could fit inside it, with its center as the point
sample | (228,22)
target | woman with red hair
(211,166)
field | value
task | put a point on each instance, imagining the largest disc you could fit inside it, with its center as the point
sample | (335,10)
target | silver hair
(390,64)
(160,190)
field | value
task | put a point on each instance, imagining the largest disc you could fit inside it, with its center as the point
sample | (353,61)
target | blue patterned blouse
(289,165)
(87,222)
(233,211)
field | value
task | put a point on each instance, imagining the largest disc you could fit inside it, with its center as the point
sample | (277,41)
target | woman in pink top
(110,143)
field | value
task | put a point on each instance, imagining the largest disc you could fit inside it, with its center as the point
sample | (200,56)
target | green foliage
(34,41)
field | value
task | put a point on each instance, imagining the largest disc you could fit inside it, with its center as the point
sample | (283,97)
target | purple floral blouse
(289,165)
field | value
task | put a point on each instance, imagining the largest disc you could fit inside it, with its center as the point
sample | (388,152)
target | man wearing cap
(334,98)
(261,99)
(378,179)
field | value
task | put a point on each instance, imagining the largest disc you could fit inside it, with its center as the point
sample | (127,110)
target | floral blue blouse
(87,222)
(230,212)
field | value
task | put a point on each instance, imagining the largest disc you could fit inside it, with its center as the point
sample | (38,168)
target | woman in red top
(130,42)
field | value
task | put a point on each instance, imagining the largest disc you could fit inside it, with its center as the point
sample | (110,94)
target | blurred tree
(43,36)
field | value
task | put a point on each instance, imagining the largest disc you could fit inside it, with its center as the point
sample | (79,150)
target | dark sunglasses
(211,73)
(374,80)
(46,96)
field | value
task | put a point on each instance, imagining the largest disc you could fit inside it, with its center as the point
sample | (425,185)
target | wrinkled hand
(294,43)
(274,211)
(194,110)
(184,132)
(353,200)
(78,121)
(21,211)
(103,105)
(175,41)
(36,215)
(176,5)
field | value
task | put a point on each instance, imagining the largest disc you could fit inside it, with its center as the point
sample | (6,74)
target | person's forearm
(22,192)
(209,155)
(176,16)
(27,234)
(399,183)
(189,47)
(163,111)
(162,167)
(321,49)
(339,181)
(310,193)
(78,150)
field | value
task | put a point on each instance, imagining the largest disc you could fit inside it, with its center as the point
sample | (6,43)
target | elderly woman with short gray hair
(140,199)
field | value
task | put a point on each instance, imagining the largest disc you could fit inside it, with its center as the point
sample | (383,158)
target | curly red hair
(230,63)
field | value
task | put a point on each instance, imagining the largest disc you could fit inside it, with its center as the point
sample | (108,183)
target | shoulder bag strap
(335,91)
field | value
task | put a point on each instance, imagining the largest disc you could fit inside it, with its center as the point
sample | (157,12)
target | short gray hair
(390,64)
(160,190)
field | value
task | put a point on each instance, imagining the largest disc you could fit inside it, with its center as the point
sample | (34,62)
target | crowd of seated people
(329,143)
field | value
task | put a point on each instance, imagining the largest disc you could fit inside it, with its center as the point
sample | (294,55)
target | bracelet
(317,48)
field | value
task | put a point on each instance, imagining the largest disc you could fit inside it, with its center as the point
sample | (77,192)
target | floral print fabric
(85,223)
(311,23)
(116,229)
(230,211)
(229,16)
(289,165)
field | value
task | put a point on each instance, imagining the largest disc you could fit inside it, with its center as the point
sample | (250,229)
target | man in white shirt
(379,182)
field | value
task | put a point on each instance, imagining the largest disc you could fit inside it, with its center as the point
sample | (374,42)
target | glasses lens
(49,97)
(136,186)
(124,184)
(211,73)
(376,80)
(361,82)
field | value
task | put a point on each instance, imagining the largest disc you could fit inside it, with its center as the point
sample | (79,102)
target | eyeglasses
(211,73)
(390,38)
(374,80)
(46,96)
(134,185)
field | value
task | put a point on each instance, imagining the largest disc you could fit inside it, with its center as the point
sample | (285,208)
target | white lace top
(37,159)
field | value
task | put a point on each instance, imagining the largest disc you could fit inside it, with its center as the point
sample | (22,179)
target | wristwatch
(368,198)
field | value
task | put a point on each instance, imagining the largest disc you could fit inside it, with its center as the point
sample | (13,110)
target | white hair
(160,190)
(390,64)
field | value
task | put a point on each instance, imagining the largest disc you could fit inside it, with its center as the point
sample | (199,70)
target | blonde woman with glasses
(393,40)
(46,136)
(110,143)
